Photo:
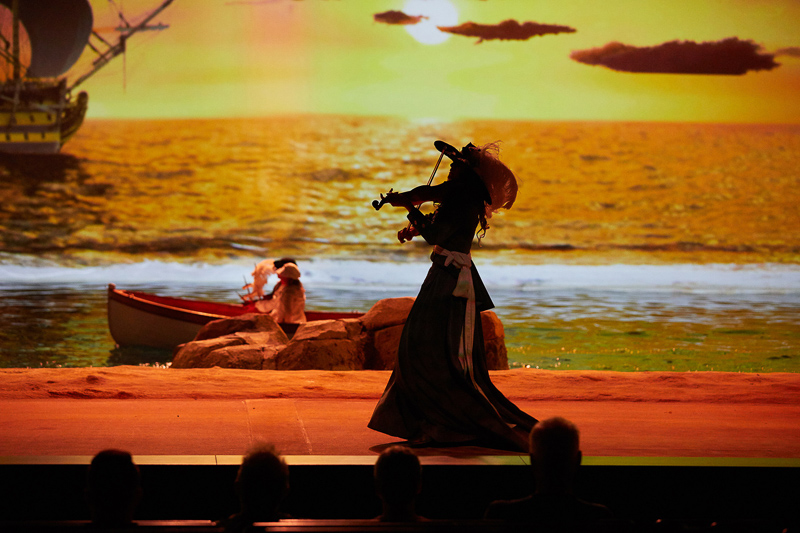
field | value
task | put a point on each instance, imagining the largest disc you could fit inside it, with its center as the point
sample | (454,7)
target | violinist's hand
(406,234)
(396,199)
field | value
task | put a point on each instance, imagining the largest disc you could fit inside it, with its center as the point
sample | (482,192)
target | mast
(114,50)
(15,38)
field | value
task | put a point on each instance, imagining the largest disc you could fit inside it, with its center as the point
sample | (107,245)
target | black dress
(431,393)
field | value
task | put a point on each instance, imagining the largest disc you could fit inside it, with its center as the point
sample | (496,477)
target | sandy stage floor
(129,382)
(153,411)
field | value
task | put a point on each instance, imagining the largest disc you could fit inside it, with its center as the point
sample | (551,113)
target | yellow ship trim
(34,118)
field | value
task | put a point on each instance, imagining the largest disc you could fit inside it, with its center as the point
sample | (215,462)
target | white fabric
(464,289)
(263,270)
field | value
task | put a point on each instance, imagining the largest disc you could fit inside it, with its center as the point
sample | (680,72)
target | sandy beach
(132,382)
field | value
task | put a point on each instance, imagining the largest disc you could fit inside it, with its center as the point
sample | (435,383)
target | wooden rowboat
(143,319)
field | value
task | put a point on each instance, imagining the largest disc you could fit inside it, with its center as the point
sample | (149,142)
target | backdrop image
(656,147)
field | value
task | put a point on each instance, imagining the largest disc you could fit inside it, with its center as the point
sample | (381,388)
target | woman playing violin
(440,392)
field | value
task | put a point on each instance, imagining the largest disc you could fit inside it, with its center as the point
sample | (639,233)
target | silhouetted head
(398,476)
(555,453)
(282,261)
(113,487)
(484,161)
(262,481)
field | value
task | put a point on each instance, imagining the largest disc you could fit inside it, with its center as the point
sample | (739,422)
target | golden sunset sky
(236,58)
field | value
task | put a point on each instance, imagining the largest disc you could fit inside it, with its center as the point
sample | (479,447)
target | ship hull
(30,147)
(38,117)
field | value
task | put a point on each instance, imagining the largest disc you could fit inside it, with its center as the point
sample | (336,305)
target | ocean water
(632,246)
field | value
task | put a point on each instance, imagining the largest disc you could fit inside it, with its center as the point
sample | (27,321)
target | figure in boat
(286,303)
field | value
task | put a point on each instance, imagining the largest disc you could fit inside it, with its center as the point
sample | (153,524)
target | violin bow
(378,204)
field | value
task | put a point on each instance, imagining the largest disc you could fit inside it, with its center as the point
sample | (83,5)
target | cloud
(791,51)
(506,31)
(397,17)
(730,56)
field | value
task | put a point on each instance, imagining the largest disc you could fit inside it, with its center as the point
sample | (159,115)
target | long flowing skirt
(429,395)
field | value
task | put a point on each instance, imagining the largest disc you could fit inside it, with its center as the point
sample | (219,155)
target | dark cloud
(791,51)
(506,31)
(397,17)
(730,56)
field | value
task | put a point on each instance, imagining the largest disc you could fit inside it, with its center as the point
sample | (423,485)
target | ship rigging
(39,110)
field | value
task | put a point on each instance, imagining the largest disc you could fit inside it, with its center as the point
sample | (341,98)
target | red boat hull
(144,319)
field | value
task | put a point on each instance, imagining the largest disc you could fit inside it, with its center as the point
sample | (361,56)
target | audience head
(262,482)
(398,479)
(113,487)
(555,453)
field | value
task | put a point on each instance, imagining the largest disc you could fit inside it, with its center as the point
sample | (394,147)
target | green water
(648,346)
(66,326)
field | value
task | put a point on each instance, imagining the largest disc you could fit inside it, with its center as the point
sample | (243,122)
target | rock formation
(370,342)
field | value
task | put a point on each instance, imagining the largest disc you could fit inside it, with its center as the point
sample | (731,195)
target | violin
(405,234)
(409,232)
(377,205)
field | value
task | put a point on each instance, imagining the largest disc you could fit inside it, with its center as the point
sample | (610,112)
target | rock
(380,346)
(387,312)
(247,356)
(322,345)
(261,338)
(328,354)
(367,343)
(494,341)
(238,350)
(249,322)
(196,354)
(384,348)
(328,329)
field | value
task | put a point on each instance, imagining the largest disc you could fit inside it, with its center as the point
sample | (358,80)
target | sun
(437,13)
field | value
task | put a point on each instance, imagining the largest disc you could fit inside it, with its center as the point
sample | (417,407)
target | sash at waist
(464,289)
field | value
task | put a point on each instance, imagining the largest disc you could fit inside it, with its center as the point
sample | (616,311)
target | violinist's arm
(418,195)
(420,225)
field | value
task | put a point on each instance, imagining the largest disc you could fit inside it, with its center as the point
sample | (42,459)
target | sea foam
(355,274)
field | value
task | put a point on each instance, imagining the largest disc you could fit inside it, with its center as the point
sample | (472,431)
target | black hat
(466,155)
(499,180)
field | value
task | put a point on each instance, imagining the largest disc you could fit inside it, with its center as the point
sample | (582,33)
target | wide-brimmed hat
(289,271)
(500,182)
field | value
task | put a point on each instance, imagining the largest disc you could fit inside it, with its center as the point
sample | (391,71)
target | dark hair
(263,477)
(398,475)
(113,481)
(113,470)
(556,444)
(555,435)
(282,261)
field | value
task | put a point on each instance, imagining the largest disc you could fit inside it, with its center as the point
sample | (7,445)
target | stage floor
(692,445)
(329,431)
(212,416)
